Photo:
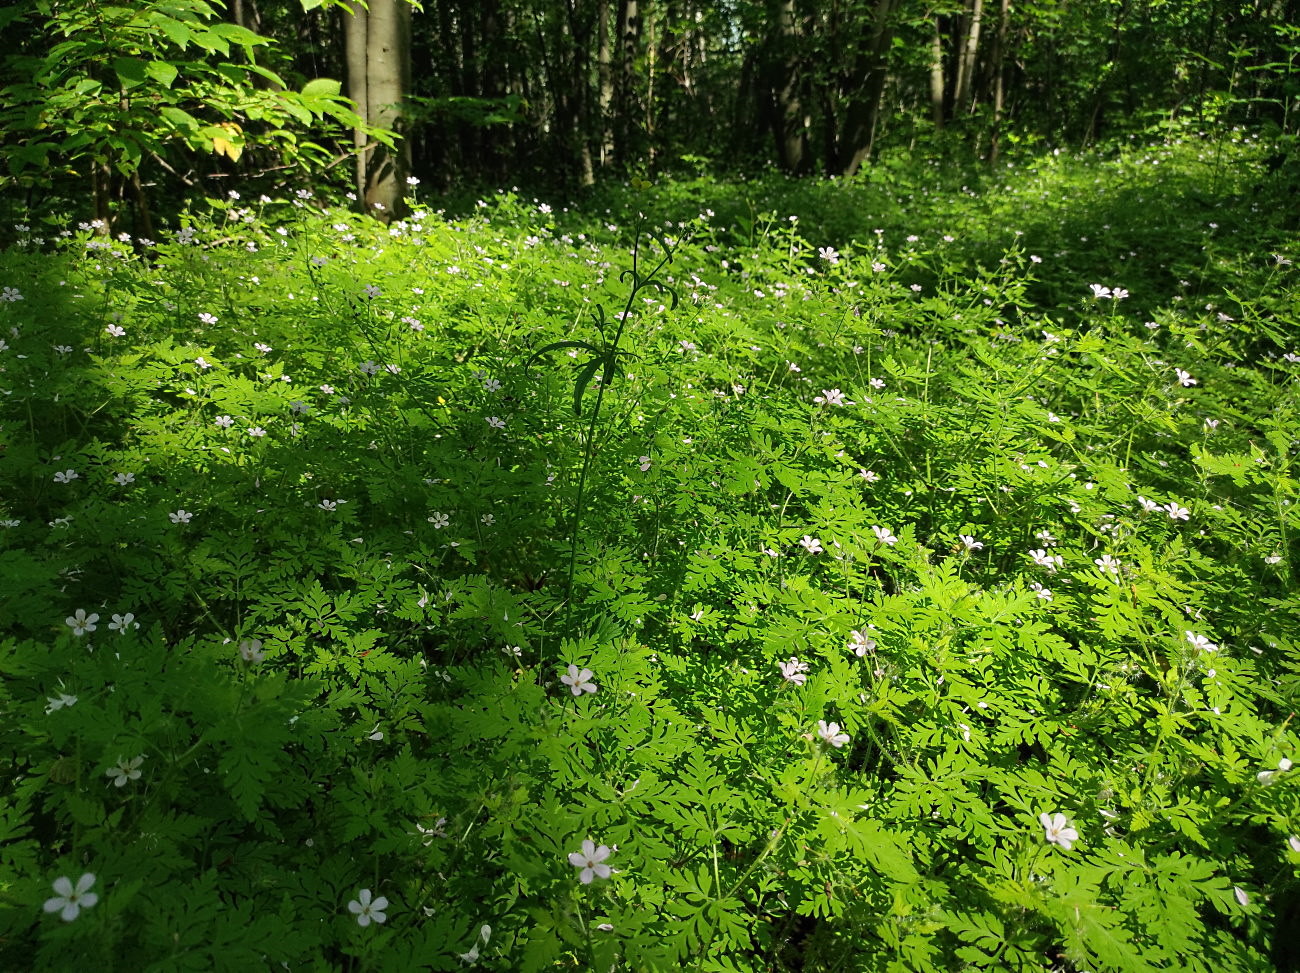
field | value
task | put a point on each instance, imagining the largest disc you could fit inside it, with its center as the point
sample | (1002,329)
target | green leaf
(131,71)
(321,88)
(580,386)
(162,72)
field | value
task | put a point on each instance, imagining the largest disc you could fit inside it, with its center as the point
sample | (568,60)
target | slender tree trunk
(787,111)
(969,52)
(999,77)
(378,60)
(872,66)
(355,27)
(605,78)
(629,34)
(936,76)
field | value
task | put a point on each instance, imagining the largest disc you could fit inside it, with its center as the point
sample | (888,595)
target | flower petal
(63,885)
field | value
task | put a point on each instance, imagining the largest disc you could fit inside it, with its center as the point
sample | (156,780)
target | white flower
(1099,292)
(1148,506)
(202,363)
(10,294)
(970,543)
(579,680)
(869,475)
(1176,512)
(124,770)
(1057,830)
(250,650)
(1240,895)
(1118,294)
(1046,537)
(58,702)
(1284,765)
(371,292)
(257,432)
(812,545)
(439,521)
(1184,379)
(591,860)
(1294,842)
(877,383)
(496,422)
(265,349)
(644,463)
(122,479)
(831,397)
(1045,560)
(828,254)
(330,504)
(1107,563)
(121,623)
(860,643)
(794,671)
(66,476)
(224,422)
(115,330)
(81,623)
(368,910)
(1200,642)
(181,516)
(1043,594)
(207,318)
(830,732)
(71,899)
(472,956)
(369,368)
(884,536)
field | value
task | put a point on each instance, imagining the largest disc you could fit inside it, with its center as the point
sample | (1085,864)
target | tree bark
(605,78)
(785,83)
(966,65)
(872,66)
(936,76)
(377,43)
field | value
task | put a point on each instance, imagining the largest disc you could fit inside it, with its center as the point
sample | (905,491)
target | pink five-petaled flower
(591,860)
(71,899)
(830,732)
(367,909)
(1057,830)
(579,680)
(794,671)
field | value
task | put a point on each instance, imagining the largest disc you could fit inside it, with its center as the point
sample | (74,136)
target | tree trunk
(629,34)
(787,112)
(936,76)
(966,66)
(999,77)
(377,43)
(872,66)
(605,78)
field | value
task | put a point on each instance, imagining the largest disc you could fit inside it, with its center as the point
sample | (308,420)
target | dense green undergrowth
(920,599)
